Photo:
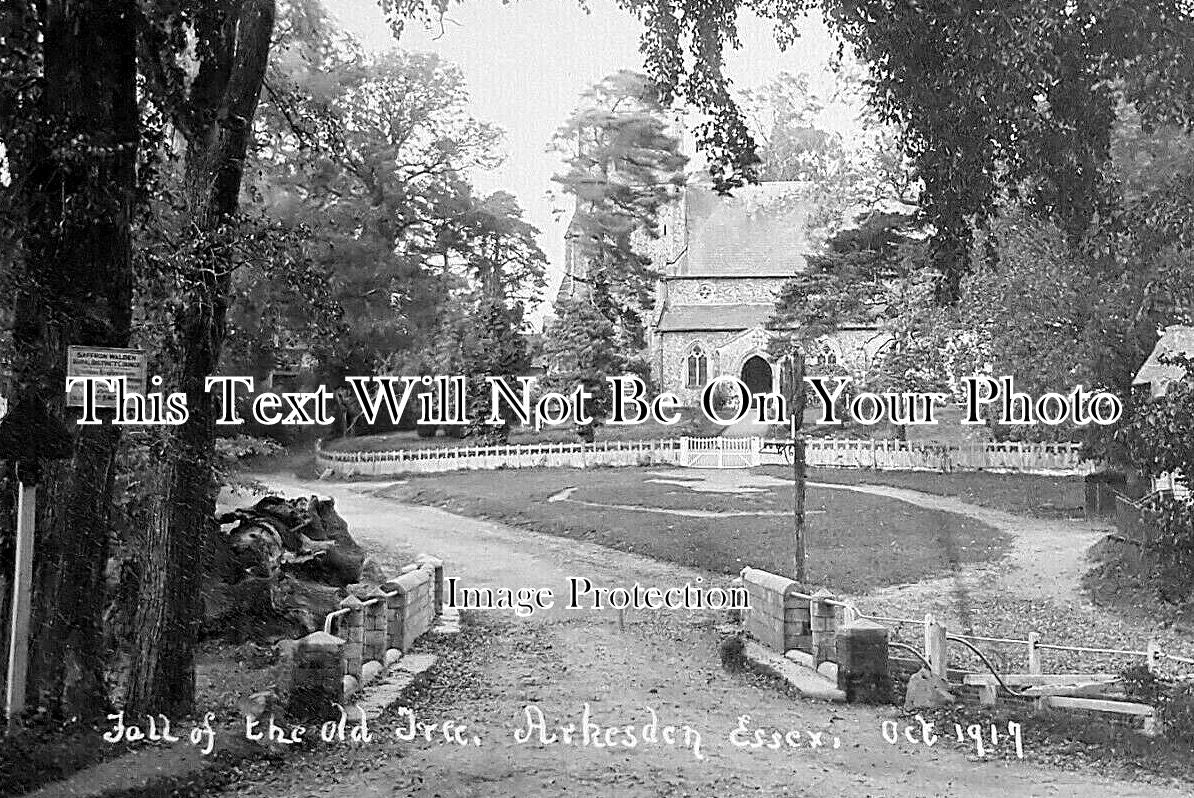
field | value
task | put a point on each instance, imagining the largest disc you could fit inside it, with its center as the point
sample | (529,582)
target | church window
(828,356)
(704,292)
(697,367)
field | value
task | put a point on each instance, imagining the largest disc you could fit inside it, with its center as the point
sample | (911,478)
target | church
(723,261)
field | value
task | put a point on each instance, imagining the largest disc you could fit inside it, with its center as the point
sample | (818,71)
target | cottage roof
(759,231)
(1176,339)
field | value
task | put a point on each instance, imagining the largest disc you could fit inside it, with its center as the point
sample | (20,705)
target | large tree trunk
(181,524)
(74,286)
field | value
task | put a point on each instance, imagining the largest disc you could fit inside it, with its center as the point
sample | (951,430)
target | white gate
(720,452)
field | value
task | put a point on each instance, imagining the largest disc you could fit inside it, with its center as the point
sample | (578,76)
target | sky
(527,62)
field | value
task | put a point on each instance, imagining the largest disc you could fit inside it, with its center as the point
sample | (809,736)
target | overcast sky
(528,61)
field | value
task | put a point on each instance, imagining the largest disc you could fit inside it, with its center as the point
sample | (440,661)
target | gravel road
(663,662)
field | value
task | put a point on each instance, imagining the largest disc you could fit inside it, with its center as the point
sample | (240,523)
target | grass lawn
(854,541)
(1024,494)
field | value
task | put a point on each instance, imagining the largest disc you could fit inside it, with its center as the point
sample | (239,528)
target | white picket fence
(892,455)
(720,452)
(884,455)
(431,460)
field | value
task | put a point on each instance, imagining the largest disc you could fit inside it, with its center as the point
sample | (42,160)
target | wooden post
(935,646)
(22,589)
(1034,653)
(1154,656)
(796,407)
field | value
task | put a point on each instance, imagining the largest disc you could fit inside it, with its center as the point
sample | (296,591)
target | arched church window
(696,367)
(828,356)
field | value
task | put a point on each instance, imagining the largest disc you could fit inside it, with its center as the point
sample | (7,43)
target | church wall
(724,291)
(853,349)
(673,368)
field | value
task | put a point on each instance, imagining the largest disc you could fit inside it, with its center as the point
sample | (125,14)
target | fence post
(1154,656)
(1034,653)
(936,651)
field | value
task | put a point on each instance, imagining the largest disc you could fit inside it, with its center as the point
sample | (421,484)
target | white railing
(429,460)
(720,452)
(888,455)
(893,455)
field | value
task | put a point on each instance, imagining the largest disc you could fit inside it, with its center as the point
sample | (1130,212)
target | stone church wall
(724,290)
(674,348)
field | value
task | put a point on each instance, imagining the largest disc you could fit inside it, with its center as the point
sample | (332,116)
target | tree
(790,145)
(371,154)
(213,112)
(997,99)
(69,129)
(623,167)
(683,45)
(581,350)
(482,331)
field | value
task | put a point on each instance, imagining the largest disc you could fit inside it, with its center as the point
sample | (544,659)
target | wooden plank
(1099,705)
(1028,679)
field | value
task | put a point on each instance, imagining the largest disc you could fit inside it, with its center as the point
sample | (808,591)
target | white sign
(88,361)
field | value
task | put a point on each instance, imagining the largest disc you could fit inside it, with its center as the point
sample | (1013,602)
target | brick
(317,677)
(864,669)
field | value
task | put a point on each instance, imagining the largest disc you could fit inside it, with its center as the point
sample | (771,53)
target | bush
(426,430)
(1174,702)
(1172,545)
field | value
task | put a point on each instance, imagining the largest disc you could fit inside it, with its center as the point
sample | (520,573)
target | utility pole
(795,367)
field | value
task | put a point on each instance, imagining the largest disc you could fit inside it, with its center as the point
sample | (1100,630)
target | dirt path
(1047,559)
(559,660)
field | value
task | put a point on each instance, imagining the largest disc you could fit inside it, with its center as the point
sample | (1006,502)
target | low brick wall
(779,612)
(364,637)
(412,606)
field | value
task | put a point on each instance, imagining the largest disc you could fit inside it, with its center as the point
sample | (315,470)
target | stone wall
(779,612)
(673,368)
(364,638)
(724,290)
(824,634)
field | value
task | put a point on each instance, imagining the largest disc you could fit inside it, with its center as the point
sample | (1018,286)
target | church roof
(713,318)
(758,231)
(679,318)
